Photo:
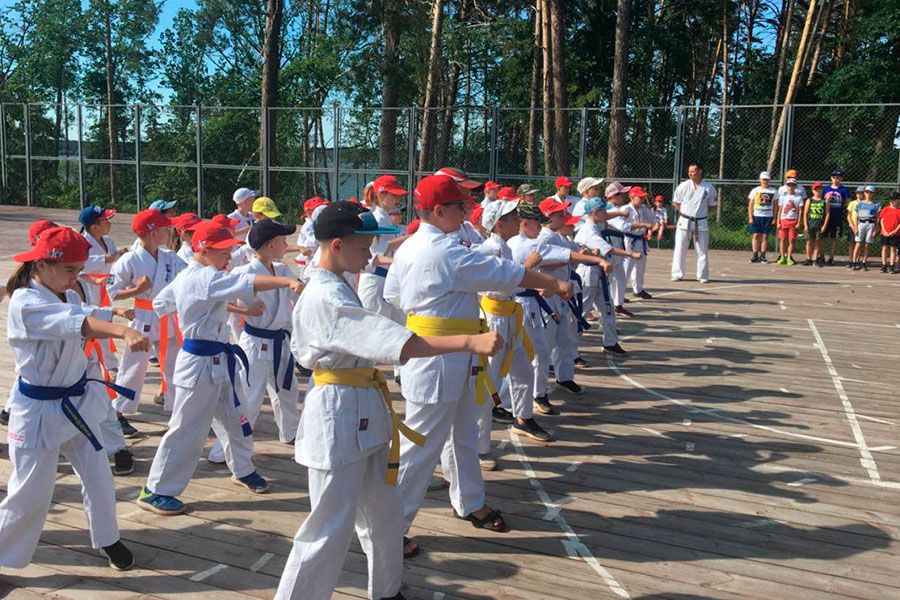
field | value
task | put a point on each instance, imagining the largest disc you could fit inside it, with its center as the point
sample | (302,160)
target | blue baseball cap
(594,204)
(90,214)
(870,188)
(162,205)
(837,173)
(341,219)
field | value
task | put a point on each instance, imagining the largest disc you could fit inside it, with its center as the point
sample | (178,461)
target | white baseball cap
(587,183)
(765,175)
(494,210)
(242,194)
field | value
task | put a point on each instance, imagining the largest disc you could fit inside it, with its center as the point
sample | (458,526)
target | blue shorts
(761,225)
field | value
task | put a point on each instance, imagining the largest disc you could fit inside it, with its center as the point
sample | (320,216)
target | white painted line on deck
(501,445)
(210,571)
(882,448)
(803,481)
(784,390)
(564,526)
(769,468)
(855,366)
(781,305)
(133,513)
(875,419)
(573,467)
(757,523)
(261,562)
(866,460)
(654,431)
(710,340)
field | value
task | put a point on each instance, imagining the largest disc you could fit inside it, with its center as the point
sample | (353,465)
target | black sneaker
(850,265)
(830,262)
(621,311)
(643,294)
(153,361)
(397,379)
(754,258)
(4,416)
(552,371)
(884,268)
(807,262)
(302,371)
(857,267)
(626,300)
(820,263)
(501,415)
(123,462)
(762,258)
(128,430)
(397,596)
(570,386)
(581,363)
(865,266)
(615,350)
(543,405)
(531,429)
(120,557)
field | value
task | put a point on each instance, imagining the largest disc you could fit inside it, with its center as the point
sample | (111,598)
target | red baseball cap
(475,214)
(436,189)
(210,234)
(389,184)
(461,178)
(637,191)
(548,206)
(186,222)
(658,198)
(491,185)
(314,203)
(413,226)
(816,184)
(508,194)
(57,244)
(223,221)
(37,228)
(563,180)
(572,220)
(148,220)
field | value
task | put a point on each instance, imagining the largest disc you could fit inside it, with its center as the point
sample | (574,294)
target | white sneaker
(703,280)
(676,279)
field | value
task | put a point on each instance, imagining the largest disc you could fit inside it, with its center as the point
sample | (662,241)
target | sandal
(493,521)
(409,553)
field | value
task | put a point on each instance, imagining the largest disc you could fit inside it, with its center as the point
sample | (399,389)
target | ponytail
(21,277)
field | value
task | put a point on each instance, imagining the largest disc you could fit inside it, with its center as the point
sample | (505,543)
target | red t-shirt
(890,218)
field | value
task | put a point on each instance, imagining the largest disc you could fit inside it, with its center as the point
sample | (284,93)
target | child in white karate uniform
(205,379)
(55,407)
(348,420)
(639,219)
(184,226)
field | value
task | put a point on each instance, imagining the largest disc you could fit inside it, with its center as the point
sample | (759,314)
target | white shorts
(865,233)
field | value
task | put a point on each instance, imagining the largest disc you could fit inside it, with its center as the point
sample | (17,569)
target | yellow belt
(370,377)
(509,308)
(422,325)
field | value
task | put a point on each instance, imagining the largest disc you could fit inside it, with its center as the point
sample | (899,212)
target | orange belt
(145,304)
(92,346)
(100,280)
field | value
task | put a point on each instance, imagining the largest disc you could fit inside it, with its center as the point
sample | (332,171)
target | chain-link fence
(68,155)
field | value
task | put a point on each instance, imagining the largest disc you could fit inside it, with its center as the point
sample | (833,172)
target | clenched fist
(487,344)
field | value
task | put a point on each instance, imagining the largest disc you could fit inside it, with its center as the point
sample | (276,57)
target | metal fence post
(266,118)
(138,191)
(786,136)
(582,143)
(81,192)
(679,146)
(411,156)
(336,153)
(199,152)
(28,175)
(3,175)
(492,169)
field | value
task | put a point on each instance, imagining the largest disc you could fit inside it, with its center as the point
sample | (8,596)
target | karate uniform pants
(563,340)
(30,491)
(284,402)
(634,268)
(195,409)
(683,234)
(110,432)
(347,497)
(109,357)
(452,439)
(537,333)
(133,372)
(370,290)
(617,280)
(601,303)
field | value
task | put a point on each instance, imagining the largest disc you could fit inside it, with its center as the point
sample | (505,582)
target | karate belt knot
(146,304)
(637,237)
(79,388)
(370,377)
(509,308)
(440,326)
(278,337)
(233,353)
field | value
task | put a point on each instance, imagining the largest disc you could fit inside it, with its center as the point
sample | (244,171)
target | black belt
(695,219)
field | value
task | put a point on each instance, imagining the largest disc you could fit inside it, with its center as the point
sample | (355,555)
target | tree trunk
(560,96)
(271,60)
(826,9)
(531,144)
(431,82)
(110,99)
(390,93)
(792,86)
(782,55)
(807,53)
(617,103)
(452,91)
(723,117)
(549,146)
(842,38)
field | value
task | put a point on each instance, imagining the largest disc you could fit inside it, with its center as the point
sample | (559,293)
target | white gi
(306,238)
(695,202)
(45,336)
(617,279)
(343,440)
(597,295)
(94,267)
(246,222)
(186,252)
(467,235)
(572,200)
(635,267)
(124,274)
(434,275)
(535,320)
(371,280)
(203,393)
(563,336)
(518,385)
(261,356)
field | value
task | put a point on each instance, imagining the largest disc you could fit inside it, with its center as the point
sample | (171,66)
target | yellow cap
(266,206)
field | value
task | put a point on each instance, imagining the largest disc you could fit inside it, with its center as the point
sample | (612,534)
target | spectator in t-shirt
(662,217)
(790,206)
(867,211)
(837,196)
(851,224)
(792,174)
(890,235)
(761,207)
(815,224)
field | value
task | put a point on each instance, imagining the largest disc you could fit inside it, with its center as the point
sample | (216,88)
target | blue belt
(542,303)
(380,271)
(278,336)
(635,236)
(233,352)
(44,392)
(576,303)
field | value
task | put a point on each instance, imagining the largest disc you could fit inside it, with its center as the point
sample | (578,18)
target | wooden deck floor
(746,449)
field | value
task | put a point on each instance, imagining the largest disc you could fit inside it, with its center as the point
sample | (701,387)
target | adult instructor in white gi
(693,199)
